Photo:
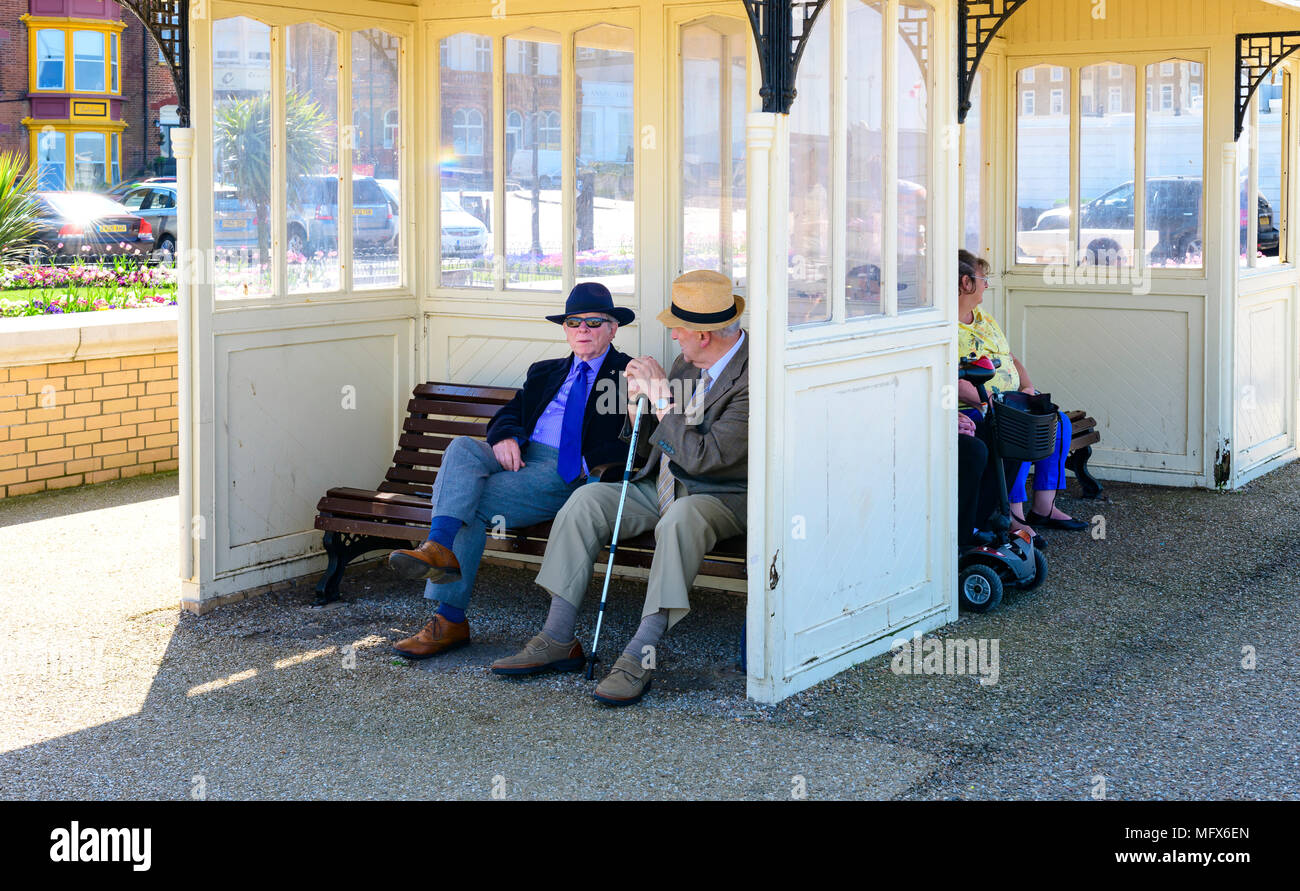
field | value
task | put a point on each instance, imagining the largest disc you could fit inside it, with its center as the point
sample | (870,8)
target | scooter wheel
(1040,571)
(979,588)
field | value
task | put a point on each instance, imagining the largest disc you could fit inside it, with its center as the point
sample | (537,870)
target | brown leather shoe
(625,684)
(436,637)
(542,654)
(429,561)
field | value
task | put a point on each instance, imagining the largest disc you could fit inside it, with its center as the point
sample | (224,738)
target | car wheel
(297,242)
(167,247)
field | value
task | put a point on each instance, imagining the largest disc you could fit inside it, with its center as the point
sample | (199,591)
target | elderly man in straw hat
(691,491)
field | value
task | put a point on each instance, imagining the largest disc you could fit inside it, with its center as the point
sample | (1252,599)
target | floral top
(983,337)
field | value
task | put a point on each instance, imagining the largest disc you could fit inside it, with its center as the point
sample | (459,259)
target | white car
(463,234)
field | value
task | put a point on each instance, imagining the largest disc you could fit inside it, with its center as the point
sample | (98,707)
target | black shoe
(1070,525)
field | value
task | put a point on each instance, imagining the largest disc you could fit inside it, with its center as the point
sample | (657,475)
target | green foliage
(18,207)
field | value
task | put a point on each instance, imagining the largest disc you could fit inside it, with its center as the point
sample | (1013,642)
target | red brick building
(84,92)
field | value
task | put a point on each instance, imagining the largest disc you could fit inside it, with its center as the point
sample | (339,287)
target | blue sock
(451,613)
(443,530)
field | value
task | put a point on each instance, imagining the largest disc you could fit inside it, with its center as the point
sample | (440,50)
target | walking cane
(618,520)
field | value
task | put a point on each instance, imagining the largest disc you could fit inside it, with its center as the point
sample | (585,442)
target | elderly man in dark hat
(538,450)
(691,491)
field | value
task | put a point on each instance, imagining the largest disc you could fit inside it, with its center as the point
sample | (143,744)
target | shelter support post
(768,150)
(183,149)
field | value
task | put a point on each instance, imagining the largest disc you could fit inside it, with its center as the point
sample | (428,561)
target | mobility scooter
(1021,427)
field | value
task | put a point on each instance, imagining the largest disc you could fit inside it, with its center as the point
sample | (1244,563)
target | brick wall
(13,76)
(72,423)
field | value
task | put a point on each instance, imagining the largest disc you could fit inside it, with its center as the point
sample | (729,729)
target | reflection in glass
(1107,137)
(713,147)
(1266,118)
(913,46)
(312,161)
(603,201)
(465,160)
(1175,124)
(241,157)
(973,170)
(1042,169)
(533,219)
(864,257)
(810,181)
(376,189)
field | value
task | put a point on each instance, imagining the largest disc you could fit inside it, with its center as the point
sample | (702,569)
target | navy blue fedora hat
(593,297)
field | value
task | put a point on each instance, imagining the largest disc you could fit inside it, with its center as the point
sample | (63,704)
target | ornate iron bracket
(780,45)
(978,22)
(168,22)
(1257,55)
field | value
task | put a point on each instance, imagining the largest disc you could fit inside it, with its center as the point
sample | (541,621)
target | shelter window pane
(913,49)
(1175,139)
(50,51)
(605,223)
(533,216)
(1264,154)
(1042,178)
(241,158)
(464,214)
(713,104)
(865,92)
(312,159)
(973,169)
(1107,166)
(810,182)
(376,167)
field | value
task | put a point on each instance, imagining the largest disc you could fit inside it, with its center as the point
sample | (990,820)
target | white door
(300,329)
(853,215)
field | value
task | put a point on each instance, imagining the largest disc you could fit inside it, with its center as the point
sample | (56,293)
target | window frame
(1139,59)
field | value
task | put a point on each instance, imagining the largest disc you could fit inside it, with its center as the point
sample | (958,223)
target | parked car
(1173,222)
(463,234)
(234,223)
(156,202)
(117,191)
(91,226)
(313,224)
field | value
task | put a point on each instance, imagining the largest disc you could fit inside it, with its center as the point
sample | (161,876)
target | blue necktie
(575,406)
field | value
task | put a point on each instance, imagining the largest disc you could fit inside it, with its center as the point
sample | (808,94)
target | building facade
(84,93)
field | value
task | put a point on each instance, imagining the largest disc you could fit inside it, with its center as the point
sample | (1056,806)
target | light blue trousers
(473,487)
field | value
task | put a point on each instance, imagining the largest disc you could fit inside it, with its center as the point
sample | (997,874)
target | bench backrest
(435,415)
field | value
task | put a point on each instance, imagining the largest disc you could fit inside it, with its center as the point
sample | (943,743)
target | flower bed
(54,290)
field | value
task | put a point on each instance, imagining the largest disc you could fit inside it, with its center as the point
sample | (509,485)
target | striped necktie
(667,484)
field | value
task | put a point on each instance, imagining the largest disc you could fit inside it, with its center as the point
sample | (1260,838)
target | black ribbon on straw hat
(702,300)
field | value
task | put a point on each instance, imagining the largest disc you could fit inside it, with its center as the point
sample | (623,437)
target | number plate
(232,224)
(1265,222)
(112,228)
(362,211)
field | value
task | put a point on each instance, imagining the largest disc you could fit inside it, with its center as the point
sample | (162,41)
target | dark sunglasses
(575,321)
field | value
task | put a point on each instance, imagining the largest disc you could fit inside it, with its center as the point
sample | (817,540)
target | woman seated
(979,333)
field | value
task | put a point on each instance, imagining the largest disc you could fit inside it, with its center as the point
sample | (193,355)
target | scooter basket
(1026,426)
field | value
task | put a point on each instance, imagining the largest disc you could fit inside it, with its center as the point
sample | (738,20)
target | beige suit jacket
(710,457)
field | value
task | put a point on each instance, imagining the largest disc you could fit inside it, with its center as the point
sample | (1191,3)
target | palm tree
(18,208)
(241,136)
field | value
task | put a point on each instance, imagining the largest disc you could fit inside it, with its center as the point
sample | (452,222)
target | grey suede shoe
(625,684)
(542,654)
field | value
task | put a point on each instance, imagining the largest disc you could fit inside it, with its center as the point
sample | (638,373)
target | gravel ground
(1126,666)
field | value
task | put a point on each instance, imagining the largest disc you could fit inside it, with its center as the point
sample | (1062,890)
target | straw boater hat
(702,301)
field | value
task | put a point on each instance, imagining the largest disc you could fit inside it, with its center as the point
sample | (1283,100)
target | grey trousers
(473,487)
(688,530)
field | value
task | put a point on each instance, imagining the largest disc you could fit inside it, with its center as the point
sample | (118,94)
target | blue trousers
(1049,473)
(473,487)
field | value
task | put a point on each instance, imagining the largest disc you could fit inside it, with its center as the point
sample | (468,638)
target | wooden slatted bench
(397,512)
(1082,437)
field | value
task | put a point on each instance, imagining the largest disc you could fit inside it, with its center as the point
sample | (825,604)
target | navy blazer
(600,442)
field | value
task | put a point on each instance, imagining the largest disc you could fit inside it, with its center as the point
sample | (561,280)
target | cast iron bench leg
(1078,462)
(342,548)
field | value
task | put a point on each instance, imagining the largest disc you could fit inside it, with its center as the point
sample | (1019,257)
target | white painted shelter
(528,144)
